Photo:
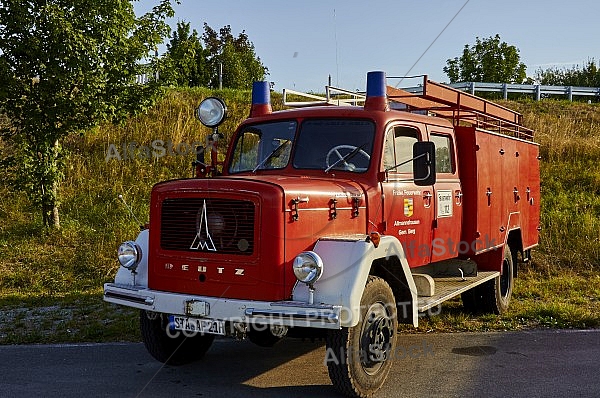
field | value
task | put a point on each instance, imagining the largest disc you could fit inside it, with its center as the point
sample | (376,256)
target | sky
(304,42)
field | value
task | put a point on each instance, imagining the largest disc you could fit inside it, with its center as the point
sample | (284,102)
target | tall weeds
(81,256)
(569,138)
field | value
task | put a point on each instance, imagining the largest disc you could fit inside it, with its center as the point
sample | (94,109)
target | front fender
(346,266)
(140,277)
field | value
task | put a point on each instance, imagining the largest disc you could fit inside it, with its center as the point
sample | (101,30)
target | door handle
(427,198)
(458,195)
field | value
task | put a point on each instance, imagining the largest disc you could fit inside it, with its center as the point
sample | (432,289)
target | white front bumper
(287,313)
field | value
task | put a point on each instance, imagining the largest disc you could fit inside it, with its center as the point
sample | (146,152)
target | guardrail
(537,90)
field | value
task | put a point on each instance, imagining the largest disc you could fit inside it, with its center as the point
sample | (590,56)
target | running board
(446,288)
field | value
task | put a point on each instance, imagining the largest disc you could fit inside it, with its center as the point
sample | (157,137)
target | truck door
(408,208)
(447,199)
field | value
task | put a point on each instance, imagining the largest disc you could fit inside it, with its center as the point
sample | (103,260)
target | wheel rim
(505,278)
(376,338)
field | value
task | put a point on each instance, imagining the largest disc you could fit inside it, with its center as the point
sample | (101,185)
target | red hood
(258,224)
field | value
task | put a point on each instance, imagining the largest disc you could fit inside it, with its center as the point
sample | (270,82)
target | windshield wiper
(265,160)
(346,157)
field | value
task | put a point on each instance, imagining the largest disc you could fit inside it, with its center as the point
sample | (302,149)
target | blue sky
(302,42)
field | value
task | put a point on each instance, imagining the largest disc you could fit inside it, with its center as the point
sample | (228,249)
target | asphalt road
(512,364)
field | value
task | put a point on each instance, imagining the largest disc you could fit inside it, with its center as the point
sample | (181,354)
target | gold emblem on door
(408,207)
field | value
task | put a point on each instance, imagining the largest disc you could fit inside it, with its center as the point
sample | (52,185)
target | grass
(569,137)
(567,300)
(76,317)
(51,281)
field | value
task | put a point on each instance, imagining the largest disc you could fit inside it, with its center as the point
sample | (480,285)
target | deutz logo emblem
(203,240)
(408,207)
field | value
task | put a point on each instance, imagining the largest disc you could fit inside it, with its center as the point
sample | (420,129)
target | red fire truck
(336,220)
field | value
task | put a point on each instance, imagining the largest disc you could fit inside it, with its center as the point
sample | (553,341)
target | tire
(172,348)
(356,367)
(493,296)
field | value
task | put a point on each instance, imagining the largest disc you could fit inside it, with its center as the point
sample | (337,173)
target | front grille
(224,226)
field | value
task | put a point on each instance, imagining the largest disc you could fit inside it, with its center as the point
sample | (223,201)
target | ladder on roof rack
(460,107)
(434,98)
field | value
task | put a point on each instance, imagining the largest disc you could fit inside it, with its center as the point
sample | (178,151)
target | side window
(399,148)
(389,160)
(404,141)
(444,161)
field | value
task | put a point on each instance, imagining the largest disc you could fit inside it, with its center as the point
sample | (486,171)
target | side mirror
(424,163)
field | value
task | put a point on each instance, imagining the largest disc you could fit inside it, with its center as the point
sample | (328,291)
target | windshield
(335,144)
(321,144)
(263,146)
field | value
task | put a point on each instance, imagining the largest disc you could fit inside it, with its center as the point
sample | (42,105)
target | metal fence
(539,91)
(142,79)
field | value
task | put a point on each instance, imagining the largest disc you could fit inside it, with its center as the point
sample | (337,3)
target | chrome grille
(223,226)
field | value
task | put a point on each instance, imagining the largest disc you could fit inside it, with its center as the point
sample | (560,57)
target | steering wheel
(347,166)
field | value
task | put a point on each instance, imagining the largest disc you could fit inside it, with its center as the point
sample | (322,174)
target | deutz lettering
(204,269)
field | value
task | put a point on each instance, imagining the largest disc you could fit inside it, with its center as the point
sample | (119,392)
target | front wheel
(171,346)
(359,358)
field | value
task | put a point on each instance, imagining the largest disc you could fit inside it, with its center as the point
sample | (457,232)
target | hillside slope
(569,138)
(95,221)
(51,270)
(82,256)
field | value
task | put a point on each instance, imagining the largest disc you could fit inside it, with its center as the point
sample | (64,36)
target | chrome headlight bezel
(129,255)
(211,112)
(308,267)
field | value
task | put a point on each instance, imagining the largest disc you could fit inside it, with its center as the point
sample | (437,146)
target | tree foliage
(185,60)
(194,61)
(65,66)
(488,60)
(587,75)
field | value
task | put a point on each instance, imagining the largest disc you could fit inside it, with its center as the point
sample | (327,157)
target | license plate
(210,326)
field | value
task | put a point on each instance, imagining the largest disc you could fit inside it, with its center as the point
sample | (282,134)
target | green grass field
(51,281)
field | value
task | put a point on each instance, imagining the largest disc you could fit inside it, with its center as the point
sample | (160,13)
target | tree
(241,65)
(185,59)
(188,63)
(65,66)
(488,60)
(587,75)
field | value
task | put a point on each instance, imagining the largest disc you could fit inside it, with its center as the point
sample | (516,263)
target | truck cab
(342,217)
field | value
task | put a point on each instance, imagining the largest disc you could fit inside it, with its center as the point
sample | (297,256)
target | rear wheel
(171,346)
(493,296)
(359,358)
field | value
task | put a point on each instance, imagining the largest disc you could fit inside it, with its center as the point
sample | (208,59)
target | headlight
(308,267)
(211,112)
(129,255)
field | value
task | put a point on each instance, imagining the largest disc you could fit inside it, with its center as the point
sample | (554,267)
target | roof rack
(460,107)
(431,98)
(333,96)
